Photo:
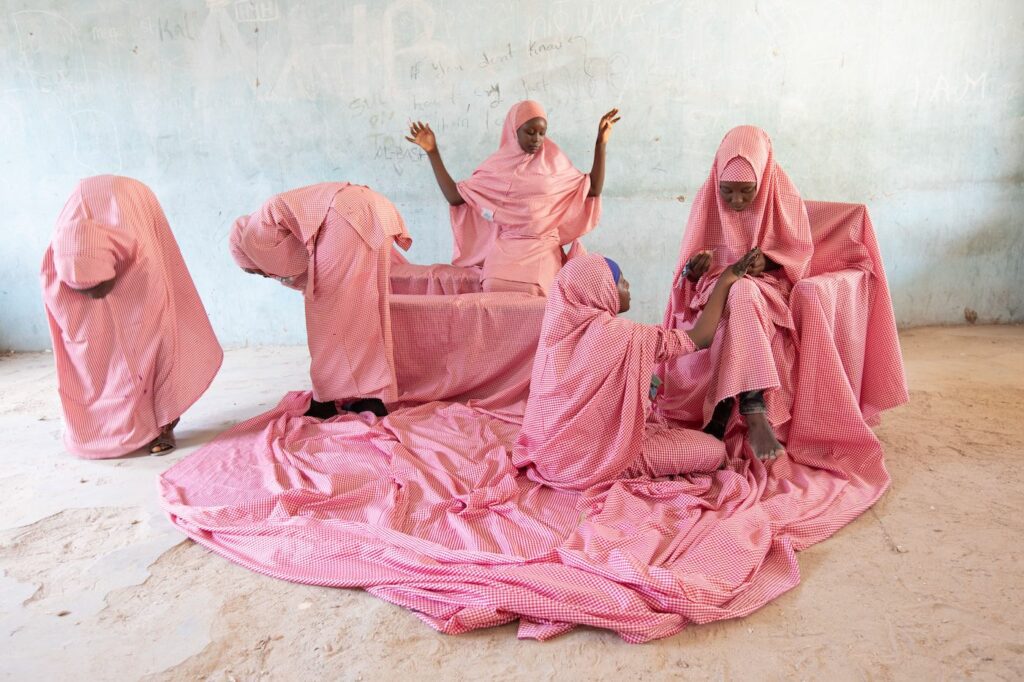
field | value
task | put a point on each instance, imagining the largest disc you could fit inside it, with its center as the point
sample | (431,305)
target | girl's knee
(745,293)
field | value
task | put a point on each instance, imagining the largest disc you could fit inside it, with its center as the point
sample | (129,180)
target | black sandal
(165,441)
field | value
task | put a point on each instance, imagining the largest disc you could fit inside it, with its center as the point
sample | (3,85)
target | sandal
(164,442)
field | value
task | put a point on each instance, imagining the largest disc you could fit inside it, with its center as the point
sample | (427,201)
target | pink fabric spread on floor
(587,415)
(133,361)
(754,347)
(521,208)
(425,508)
(333,240)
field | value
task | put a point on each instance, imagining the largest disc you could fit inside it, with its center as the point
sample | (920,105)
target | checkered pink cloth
(333,240)
(436,280)
(476,348)
(521,208)
(754,346)
(134,361)
(586,420)
(426,509)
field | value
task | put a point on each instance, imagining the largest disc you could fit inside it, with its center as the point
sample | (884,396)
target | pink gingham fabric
(427,509)
(522,208)
(334,242)
(134,361)
(586,419)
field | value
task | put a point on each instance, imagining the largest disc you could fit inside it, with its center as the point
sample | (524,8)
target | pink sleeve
(86,253)
(673,342)
(586,219)
(472,234)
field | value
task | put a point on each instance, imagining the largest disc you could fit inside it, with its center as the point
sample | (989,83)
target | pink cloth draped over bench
(471,347)
(437,279)
(133,361)
(425,509)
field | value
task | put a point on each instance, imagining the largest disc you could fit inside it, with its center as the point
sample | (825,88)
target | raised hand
(604,128)
(422,136)
(698,264)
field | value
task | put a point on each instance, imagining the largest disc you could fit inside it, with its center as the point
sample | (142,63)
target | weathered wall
(913,108)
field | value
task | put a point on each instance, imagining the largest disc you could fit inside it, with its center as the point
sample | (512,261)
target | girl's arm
(604,131)
(704,331)
(423,136)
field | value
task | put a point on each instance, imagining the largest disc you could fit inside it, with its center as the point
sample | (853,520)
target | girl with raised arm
(523,203)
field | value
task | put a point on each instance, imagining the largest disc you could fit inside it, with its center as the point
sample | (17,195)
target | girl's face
(623,287)
(737,195)
(531,135)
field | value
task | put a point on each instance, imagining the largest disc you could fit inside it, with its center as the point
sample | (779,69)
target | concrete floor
(927,585)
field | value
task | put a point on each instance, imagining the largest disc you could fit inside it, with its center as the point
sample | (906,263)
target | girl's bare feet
(762,438)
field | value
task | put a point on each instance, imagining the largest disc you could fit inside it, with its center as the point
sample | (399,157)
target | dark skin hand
(703,331)
(700,263)
(422,136)
(283,280)
(604,133)
(100,290)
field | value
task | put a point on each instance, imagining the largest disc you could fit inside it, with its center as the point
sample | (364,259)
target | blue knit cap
(614,267)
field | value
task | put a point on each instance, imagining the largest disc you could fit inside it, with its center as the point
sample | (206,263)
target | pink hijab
(776,221)
(527,195)
(89,252)
(280,238)
(586,415)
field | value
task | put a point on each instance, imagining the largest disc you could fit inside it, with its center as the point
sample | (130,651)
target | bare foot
(762,438)
(164,442)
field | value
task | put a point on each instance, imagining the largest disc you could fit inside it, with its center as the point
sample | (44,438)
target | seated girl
(588,418)
(746,201)
(523,203)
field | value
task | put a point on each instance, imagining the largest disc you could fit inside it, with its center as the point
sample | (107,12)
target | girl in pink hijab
(523,203)
(132,342)
(588,418)
(332,241)
(747,201)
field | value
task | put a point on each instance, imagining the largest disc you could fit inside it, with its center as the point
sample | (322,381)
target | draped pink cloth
(133,361)
(521,208)
(333,241)
(586,419)
(754,346)
(425,508)
(476,348)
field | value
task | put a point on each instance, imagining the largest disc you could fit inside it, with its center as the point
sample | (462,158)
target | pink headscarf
(528,195)
(738,170)
(776,220)
(586,414)
(87,252)
(280,238)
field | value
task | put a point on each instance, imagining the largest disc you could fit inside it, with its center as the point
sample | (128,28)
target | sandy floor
(927,585)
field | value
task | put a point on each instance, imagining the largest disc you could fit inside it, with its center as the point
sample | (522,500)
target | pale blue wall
(914,108)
